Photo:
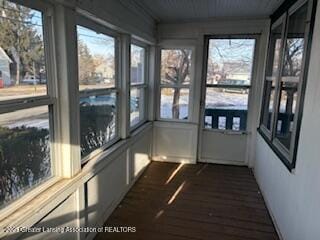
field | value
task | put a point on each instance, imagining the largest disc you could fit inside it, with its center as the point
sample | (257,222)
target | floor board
(202,201)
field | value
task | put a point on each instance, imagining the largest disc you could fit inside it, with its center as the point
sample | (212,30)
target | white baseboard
(172,159)
(269,209)
(114,205)
(222,161)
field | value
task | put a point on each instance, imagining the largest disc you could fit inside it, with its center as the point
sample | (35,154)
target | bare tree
(175,70)
(292,67)
(228,56)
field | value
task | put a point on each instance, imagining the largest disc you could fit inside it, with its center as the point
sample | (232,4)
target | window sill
(30,211)
(226,132)
(27,197)
(133,128)
(173,120)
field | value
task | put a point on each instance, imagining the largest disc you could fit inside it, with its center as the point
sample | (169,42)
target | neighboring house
(237,70)
(105,70)
(5,62)
(136,73)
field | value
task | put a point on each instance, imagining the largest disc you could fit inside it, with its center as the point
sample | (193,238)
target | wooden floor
(203,201)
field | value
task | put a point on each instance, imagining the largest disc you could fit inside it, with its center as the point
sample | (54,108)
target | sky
(231,49)
(98,43)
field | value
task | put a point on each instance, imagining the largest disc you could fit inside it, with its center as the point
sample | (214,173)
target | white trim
(140,86)
(171,45)
(84,21)
(222,161)
(30,102)
(124,81)
(48,100)
(27,197)
(51,197)
(97,151)
(5,55)
(175,159)
(266,201)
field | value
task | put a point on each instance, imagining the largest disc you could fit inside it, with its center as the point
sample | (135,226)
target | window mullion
(125,43)
(276,103)
(68,140)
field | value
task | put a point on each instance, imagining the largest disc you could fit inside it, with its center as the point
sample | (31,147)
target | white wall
(175,142)
(90,204)
(90,196)
(122,15)
(294,198)
(210,146)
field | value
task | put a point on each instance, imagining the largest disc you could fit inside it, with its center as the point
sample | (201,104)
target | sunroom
(159,119)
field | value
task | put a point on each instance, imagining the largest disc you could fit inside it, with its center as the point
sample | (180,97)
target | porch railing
(234,119)
(237,119)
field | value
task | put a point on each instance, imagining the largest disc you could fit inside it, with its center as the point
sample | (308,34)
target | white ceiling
(199,10)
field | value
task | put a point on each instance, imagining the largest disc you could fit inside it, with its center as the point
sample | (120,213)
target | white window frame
(250,87)
(189,86)
(267,132)
(141,86)
(49,100)
(97,27)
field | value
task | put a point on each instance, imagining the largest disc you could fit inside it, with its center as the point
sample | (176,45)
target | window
(175,83)
(285,80)
(26,103)
(272,71)
(229,71)
(138,85)
(98,89)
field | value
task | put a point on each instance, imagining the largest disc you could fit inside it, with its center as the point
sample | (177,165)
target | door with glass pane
(227,92)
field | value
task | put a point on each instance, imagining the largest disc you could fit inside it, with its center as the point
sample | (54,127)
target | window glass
(97,121)
(137,64)
(230,61)
(22,55)
(138,87)
(25,151)
(290,77)
(98,103)
(229,73)
(174,103)
(175,66)
(96,59)
(232,104)
(272,72)
(175,83)
(136,105)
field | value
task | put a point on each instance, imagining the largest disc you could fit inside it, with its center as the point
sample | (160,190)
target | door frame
(251,97)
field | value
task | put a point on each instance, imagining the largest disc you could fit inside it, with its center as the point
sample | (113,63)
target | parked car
(33,80)
(235,82)
(106,100)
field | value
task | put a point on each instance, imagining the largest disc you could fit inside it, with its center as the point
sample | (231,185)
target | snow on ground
(215,99)
(166,106)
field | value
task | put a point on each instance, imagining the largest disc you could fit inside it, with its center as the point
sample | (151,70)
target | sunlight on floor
(201,169)
(174,173)
(159,214)
(174,196)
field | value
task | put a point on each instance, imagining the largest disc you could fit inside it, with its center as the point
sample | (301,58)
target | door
(226,99)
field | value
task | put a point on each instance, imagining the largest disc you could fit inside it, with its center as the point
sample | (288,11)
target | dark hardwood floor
(203,201)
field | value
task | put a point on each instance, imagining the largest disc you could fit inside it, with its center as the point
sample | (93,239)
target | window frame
(140,86)
(189,86)
(49,100)
(281,20)
(289,156)
(206,86)
(94,26)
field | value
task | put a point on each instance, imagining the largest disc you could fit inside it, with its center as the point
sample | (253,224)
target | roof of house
(3,54)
